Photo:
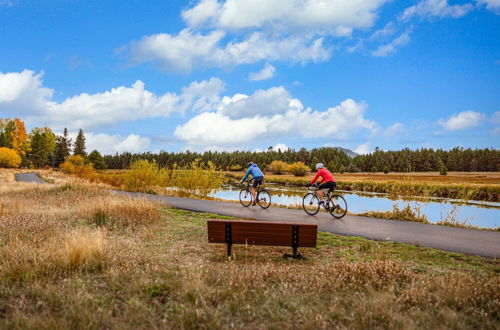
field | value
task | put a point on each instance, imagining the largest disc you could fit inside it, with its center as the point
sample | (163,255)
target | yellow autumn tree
(9,158)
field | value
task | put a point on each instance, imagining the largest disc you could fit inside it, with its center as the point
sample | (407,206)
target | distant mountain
(348,152)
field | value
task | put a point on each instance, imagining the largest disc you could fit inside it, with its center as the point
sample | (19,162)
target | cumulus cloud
(436,8)
(388,30)
(270,114)
(110,144)
(267,72)
(491,5)
(495,118)
(390,48)
(23,94)
(462,120)
(189,49)
(338,17)
(280,147)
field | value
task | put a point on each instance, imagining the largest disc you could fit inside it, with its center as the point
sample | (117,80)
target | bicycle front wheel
(310,204)
(246,197)
(337,206)
(264,199)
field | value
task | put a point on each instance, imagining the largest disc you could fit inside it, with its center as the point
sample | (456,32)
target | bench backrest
(262,233)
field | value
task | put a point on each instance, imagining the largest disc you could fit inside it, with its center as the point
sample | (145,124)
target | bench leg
(295,254)
(229,245)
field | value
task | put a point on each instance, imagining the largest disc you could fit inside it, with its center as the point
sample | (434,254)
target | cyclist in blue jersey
(257,178)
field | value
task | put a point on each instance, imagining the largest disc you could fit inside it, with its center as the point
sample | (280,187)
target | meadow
(74,255)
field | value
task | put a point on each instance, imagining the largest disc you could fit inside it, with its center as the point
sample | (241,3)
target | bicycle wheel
(310,204)
(264,199)
(337,206)
(245,197)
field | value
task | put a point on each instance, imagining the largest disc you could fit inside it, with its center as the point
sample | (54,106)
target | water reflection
(480,214)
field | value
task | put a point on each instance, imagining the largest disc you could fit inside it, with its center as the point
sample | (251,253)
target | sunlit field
(74,255)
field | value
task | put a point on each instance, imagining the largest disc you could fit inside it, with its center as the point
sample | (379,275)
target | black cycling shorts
(257,181)
(330,185)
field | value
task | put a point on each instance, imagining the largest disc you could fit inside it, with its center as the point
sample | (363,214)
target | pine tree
(80,144)
(96,159)
(63,145)
(43,146)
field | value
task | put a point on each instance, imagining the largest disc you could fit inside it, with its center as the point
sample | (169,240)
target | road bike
(333,203)
(263,197)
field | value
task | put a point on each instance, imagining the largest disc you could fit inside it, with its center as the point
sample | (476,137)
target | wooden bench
(232,232)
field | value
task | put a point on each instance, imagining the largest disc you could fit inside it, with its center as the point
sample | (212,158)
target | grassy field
(73,255)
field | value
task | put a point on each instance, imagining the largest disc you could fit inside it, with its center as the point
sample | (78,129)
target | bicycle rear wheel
(245,197)
(337,206)
(310,203)
(264,199)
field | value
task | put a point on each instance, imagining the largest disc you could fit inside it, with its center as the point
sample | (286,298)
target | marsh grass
(64,265)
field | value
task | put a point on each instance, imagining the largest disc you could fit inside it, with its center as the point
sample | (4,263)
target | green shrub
(341,169)
(278,167)
(386,169)
(443,170)
(298,169)
(9,158)
(144,175)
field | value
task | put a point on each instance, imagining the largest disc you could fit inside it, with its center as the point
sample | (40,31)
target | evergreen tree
(43,145)
(96,159)
(80,144)
(63,145)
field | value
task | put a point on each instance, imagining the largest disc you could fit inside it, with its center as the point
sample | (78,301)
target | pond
(479,214)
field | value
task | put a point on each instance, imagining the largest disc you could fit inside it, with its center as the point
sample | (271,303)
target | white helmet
(319,165)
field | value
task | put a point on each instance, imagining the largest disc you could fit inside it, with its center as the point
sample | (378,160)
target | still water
(479,214)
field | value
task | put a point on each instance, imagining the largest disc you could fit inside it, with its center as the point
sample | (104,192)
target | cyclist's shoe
(254,203)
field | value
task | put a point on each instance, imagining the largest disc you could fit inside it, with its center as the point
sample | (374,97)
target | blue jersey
(255,171)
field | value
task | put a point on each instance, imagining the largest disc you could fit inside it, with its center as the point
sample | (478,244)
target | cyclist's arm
(315,178)
(246,175)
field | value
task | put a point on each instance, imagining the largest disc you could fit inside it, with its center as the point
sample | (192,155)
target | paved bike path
(29,177)
(468,241)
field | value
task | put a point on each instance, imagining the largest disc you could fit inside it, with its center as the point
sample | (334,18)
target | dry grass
(63,266)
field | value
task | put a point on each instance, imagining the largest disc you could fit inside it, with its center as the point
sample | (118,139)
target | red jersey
(326,176)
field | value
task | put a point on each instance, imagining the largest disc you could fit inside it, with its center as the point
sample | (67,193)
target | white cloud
(110,144)
(462,120)
(388,30)
(436,8)
(240,120)
(363,149)
(23,94)
(495,118)
(394,129)
(267,72)
(281,146)
(338,17)
(491,5)
(189,49)
(275,100)
(388,49)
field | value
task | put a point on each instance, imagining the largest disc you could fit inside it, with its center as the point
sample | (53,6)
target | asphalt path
(29,177)
(468,241)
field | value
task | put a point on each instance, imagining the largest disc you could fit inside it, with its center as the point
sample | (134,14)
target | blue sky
(248,74)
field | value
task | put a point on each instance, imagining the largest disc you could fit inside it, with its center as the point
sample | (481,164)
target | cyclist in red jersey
(327,180)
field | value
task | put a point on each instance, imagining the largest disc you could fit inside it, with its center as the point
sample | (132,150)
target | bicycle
(263,197)
(336,205)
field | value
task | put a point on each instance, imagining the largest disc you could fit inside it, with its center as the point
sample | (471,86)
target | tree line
(424,159)
(42,147)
